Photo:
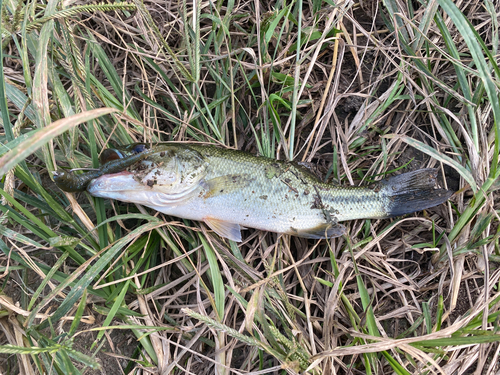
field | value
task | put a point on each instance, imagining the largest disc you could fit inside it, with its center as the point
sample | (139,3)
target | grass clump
(359,90)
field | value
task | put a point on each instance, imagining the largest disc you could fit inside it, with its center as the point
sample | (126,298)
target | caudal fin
(413,191)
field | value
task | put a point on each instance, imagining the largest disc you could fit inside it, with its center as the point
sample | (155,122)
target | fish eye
(139,148)
(110,154)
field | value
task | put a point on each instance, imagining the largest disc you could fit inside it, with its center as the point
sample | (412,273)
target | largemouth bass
(230,190)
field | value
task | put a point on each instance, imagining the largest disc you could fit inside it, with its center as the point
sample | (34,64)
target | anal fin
(326,230)
(224,229)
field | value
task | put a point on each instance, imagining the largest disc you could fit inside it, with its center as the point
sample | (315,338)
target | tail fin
(413,191)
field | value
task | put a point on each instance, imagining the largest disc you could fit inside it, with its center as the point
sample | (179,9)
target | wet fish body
(230,190)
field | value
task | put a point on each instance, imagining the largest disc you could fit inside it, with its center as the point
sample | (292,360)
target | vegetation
(357,89)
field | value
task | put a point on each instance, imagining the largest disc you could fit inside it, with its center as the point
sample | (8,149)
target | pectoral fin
(321,231)
(224,229)
(227,184)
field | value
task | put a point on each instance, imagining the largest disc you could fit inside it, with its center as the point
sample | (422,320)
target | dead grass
(358,90)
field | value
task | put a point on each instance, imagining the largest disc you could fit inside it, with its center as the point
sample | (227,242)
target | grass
(359,90)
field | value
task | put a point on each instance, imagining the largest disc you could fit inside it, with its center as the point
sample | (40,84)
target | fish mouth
(120,186)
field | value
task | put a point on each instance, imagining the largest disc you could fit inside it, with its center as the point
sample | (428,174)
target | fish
(232,190)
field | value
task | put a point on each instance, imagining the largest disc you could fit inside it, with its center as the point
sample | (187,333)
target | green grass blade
(469,340)
(442,158)
(118,302)
(216,278)
(30,145)
(3,96)
(477,47)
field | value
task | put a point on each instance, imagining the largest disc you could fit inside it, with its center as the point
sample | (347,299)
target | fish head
(168,175)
